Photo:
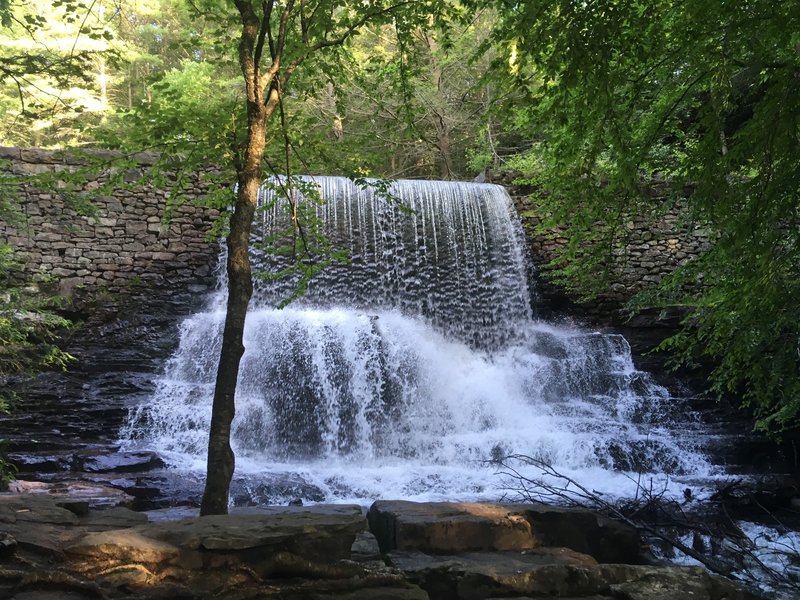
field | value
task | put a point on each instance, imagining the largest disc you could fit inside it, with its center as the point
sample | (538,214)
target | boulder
(117,517)
(120,462)
(323,553)
(447,527)
(552,572)
(270,542)
(452,527)
(557,573)
(34,509)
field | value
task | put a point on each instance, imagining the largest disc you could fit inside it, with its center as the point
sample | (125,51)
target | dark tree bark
(221,459)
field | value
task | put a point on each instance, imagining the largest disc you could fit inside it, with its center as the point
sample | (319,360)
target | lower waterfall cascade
(410,371)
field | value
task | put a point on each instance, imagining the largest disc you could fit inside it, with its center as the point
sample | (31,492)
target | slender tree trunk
(439,120)
(221,459)
(263,97)
(240,288)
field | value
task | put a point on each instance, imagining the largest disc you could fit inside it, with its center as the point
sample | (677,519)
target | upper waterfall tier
(450,252)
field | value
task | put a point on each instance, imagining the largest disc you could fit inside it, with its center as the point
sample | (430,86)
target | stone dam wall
(122,245)
(655,245)
(126,247)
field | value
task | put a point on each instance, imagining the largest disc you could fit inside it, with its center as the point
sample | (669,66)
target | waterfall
(411,368)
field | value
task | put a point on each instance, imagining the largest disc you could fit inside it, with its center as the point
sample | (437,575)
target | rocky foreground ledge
(59,547)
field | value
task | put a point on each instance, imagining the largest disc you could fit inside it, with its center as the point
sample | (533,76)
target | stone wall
(655,245)
(122,246)
(125,246)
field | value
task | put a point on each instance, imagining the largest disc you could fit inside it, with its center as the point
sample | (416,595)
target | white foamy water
(409,372)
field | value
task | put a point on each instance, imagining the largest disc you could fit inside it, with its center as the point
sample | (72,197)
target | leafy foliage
(706,95)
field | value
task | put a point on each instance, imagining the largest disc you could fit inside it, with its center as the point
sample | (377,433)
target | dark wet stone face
(63,426)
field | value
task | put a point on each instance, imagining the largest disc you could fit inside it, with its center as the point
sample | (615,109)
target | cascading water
(408,371)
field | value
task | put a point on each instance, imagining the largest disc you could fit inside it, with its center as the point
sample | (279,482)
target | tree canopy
(704,95)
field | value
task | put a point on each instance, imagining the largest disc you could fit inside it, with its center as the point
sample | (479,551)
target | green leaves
(706,95)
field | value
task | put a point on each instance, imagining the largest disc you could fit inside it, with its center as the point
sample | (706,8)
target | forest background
(587,102)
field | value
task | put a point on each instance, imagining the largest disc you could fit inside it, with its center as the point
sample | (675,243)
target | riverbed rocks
(455,527)
(52,547)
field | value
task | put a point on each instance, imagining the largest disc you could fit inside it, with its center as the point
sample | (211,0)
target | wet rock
(49,463)
(122,462)
(96,495)
(273,489)
(450,527)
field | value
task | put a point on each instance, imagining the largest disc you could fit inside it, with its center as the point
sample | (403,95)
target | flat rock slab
(453,527)
(16,508)
(96,495)
(267,526)
(45,523)
(281,541)
(553,572)
(557,573)
(121,462)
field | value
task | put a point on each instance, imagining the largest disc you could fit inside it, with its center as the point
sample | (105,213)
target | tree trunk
(439,120)
(221,459)
(240,288)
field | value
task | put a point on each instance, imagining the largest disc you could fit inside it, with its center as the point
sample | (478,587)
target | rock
(557,572)
(322,553)
(122,462)
(7,544)
(94,494)
(79,508)
(279,542)
(636,582)
(365,548)
(472,576)
(275,488)
(52,463)
(112,518)
(113,548)
(448,527)
(406,592)
(51,595)
(35,509)
(585,531)
(41,539)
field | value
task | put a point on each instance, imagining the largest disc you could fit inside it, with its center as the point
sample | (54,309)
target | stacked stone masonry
(654,246)
(126,245)
(122,245)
